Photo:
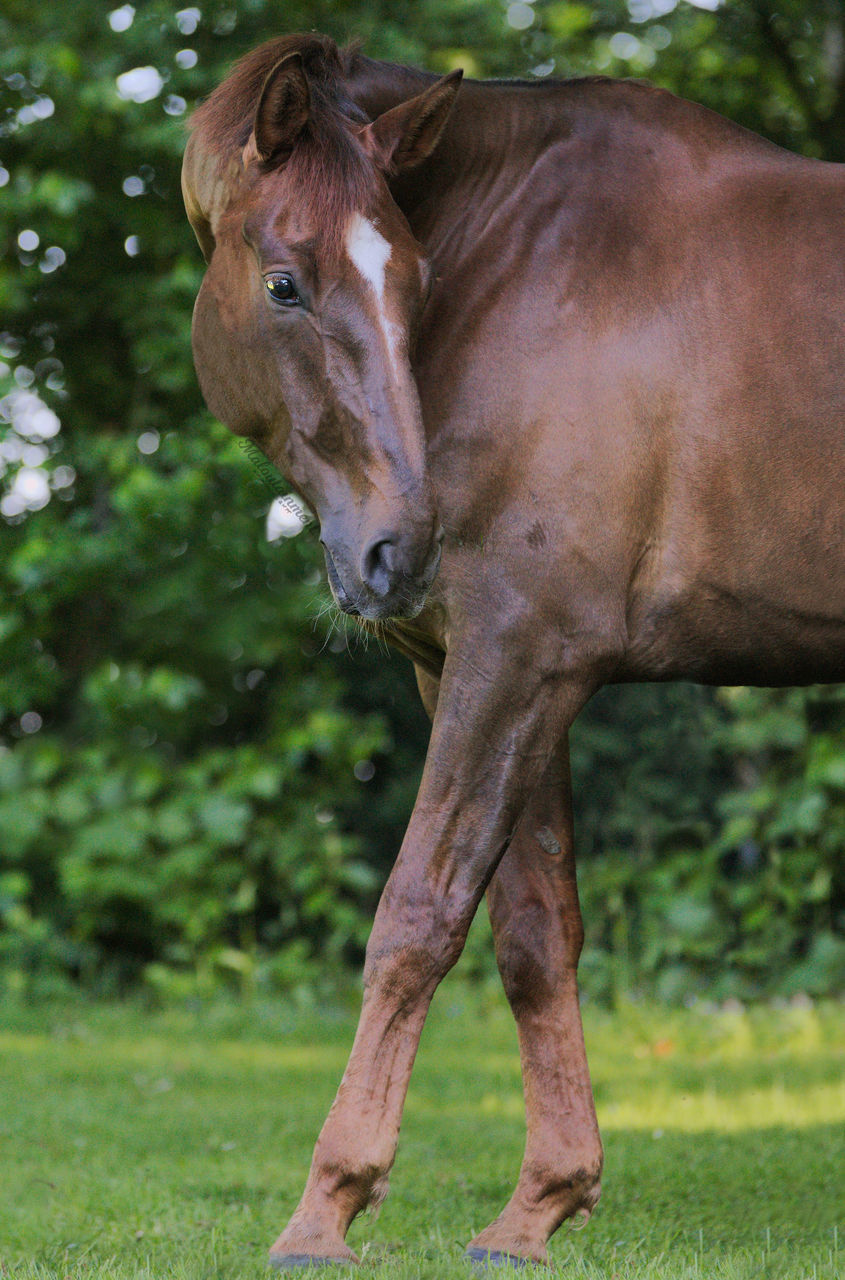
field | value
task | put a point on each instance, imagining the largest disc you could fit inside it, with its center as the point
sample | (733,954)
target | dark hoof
(484,1258)
(287,1261)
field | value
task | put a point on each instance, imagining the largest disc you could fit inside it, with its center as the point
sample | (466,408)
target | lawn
(175,1143)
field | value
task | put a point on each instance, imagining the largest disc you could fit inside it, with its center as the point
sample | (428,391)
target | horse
(560,367)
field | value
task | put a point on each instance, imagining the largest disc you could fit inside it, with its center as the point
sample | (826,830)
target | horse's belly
(745,605)
(712,636)
(747,580)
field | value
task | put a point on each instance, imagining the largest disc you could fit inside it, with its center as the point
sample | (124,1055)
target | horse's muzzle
(394,579)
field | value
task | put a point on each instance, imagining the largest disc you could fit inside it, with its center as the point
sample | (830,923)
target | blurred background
(202,785)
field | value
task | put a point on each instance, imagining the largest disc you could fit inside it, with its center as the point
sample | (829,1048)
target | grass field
(174,1144)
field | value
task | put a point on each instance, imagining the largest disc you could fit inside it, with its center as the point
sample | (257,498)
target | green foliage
(178,733)
(735,886)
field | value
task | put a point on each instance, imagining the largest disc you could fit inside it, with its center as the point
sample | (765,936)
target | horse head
(304,325)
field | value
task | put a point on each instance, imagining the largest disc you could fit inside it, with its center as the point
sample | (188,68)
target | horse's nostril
(379,564)
(392,563)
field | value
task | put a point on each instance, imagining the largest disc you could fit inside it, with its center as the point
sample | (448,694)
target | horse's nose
(380,565)
(388,562)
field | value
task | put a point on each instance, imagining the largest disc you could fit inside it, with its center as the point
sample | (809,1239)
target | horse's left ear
(283,111)
(406,135)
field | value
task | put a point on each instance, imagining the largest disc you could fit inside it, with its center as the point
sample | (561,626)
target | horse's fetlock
(578,1185)
(359,1184)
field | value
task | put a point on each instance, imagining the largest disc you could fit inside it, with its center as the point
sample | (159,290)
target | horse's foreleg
(491,739)
(533,902)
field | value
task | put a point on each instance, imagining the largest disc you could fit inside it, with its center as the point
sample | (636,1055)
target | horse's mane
(327,164)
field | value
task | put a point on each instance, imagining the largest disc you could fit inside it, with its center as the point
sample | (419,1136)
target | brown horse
(578,346)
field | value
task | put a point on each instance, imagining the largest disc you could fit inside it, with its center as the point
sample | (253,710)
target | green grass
(175,1144)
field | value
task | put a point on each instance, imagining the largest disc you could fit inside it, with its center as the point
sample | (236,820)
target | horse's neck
(378,86)
(499,130)
(494,133)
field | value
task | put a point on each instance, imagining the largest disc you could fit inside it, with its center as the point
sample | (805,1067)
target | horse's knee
(572,929)
(406,960)
(535,946)
(519,956)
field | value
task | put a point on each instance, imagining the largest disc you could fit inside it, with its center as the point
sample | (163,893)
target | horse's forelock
(327,167)
(225,118)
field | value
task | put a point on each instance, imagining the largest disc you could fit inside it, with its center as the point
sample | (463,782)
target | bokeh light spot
(148,442)
(520,16)
(141,84)
(187,20)
(54,257)
(121,19)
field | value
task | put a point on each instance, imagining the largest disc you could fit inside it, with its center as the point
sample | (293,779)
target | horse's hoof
(289,1261)
(483,1258)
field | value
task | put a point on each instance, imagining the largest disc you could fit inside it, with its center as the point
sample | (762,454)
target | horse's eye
(282,289)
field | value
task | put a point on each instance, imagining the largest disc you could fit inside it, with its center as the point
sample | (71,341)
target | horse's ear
(283,110)
(198,188)
(406,135)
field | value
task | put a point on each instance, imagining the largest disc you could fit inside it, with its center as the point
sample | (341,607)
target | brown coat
(561,368)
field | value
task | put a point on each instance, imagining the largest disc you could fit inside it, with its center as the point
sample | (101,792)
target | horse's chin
(381,611)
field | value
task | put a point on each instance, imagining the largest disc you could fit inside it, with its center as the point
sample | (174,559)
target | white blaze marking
(369,250)
(370,253)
